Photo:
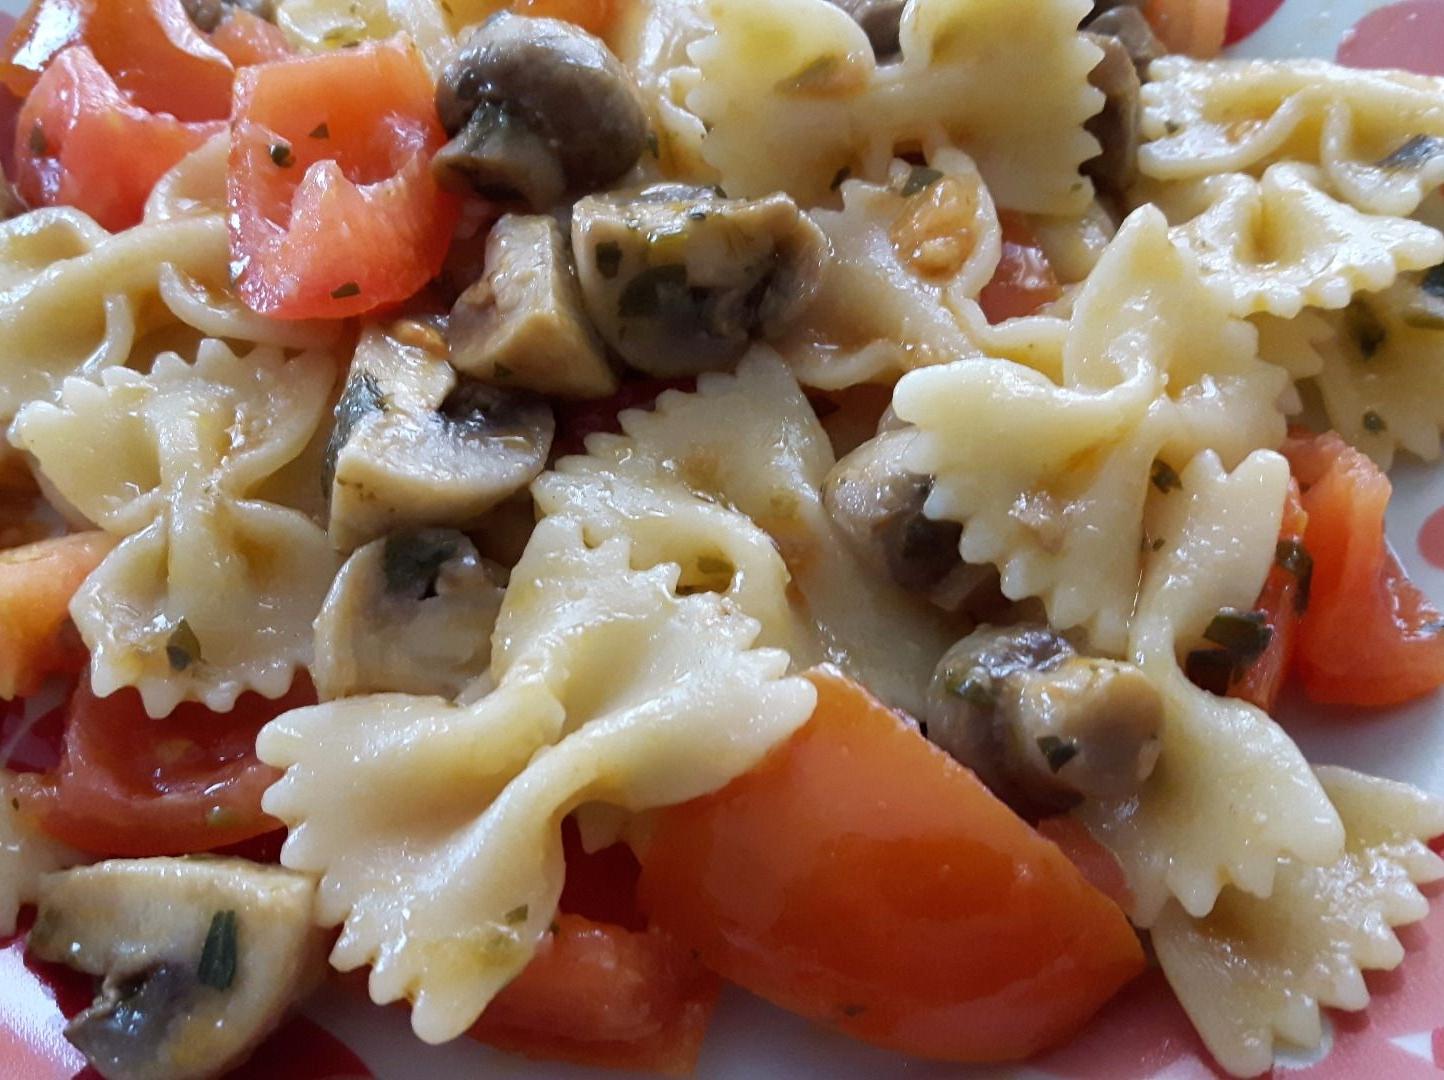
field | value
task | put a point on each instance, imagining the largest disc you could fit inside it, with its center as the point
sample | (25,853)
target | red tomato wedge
(604,996)
(861,877)
(37,639)
(1024,280)
(596,16)
(151,49)
(333,208)
(247,39)
(79,142)
(1369,636)
(129,785)
(1192,27)
(1283,600)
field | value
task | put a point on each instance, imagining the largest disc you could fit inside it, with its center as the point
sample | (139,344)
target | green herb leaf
(1057,752)
(517,915)
(1373,423)
(975,687)
(609,259)
(920,179)
(1415,153)
(281,154)
(346,291)
(820,75)
(1210,669)
(1294,558)
(1365,328)
(38,146)
(411,562)
(182,648)
(217,968)
(1244,635)
(320,131)
(1165,478)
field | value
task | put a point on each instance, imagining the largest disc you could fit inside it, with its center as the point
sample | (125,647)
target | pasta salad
(559,505)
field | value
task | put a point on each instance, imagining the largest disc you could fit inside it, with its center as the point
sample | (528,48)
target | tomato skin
(349,220)
(861,877)
(601,995)
(79,142)
(1024,280)
(37,639)
(1369,636)
(47,27)
(1283,600)
(1194,28)
(247,39)
(128,785)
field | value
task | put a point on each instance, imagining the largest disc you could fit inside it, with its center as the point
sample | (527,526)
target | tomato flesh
(247,39)
(130,785)
(861,877)
(1369,636)
(79,142)
(1024,280)
(37,639)
(334,211)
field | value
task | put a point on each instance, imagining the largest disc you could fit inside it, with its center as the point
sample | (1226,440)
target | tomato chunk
(333,208)
(1024,280)
(1192,27)
(1369,636)
(601,995)
(128,785)
(37,639)
(594,15)
(247,39)
(47,27)
(79,142)
(861,877)
(1283,601)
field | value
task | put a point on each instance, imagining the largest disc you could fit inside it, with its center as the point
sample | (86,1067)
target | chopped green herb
(217,968)
(410,562)
(182,648)
(841,177)
(1172,127)
(1373,423)
(820,75)
(1057,752)
(1210,669)
(1165,478)
(320,131)
(976,688)
(920,179)
(281,154)
(1365,328)
(38,146)
(719,191)
(517,915)
(609,259)
(1293,557)
(346,291)
(654,145)
(1244,635)
(1415,153)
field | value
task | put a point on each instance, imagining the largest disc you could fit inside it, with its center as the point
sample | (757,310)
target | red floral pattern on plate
(1246,16)
(1408,35)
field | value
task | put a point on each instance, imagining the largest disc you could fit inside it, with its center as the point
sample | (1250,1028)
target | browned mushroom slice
(1117,127)
(880,20)
(416,446)
(1042,726)
(679,280)
(410,614)
(200,959)
(537,107)
(524,323)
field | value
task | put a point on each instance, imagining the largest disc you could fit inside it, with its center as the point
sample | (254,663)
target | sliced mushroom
(1117,127)
(524,323)
(880,20)
(679,279)
(878,505)
(1042,726)
(537,108)
(1127,24)
(410,614)
(416,446)
(201,958)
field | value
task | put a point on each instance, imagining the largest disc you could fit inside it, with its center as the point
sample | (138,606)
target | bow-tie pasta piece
(903,255)
(1048,471)
(1280,244)
(436,827)
(1231,794)
(752,441)
(790,96)
(1257,970)
(410,614)
(1378,135)
(25,855)
(213,591)
(321,25)
(652,41)
(198,291)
